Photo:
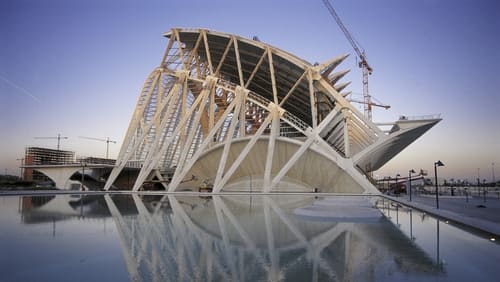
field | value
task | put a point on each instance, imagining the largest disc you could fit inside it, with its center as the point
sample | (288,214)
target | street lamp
(493,174)
(484,190)
(436,164)
(409,180)
(387,183)
(82,188)
(396,187)
(22,166)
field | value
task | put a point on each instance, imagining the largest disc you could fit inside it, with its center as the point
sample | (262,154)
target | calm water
(233,238)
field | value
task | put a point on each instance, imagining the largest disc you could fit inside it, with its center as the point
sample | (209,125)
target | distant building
(44,156)
(94,160)
(428,181)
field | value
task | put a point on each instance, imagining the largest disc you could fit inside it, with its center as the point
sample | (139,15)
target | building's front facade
(237,114)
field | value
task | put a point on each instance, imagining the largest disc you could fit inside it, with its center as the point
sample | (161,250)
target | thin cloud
(24,91)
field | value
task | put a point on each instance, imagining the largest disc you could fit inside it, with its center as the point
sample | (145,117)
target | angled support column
(218,186)
(312,99)
(275,129)
(188,142)
(155,155)
(181,172)
(347,144)
(181,51)
(226,51)
(257,67)
(138,123)
(207,51)
(238,61)
(162,180)
(134,125)
(292,160)
(229,138)
(311,136)
(273,77)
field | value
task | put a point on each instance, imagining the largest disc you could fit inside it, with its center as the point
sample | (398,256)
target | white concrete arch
(214,89)
(59,175)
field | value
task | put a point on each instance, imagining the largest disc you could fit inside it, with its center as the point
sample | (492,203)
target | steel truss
(213,90)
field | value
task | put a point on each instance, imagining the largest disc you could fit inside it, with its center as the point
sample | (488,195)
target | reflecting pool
(120,237)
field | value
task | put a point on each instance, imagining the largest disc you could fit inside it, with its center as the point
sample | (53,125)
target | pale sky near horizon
(77,67)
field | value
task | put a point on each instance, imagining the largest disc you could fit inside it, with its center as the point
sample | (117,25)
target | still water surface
(233,238)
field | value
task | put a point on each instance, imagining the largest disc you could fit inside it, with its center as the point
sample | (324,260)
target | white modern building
(235,114)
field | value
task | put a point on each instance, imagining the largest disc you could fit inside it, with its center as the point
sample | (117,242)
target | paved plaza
(478,211)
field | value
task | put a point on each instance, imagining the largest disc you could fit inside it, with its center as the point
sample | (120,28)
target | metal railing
(422,117)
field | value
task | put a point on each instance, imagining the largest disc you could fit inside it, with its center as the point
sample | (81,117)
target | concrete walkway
(474,212)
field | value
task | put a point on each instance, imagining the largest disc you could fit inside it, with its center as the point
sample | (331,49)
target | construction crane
(58,137)
(102,140)
(363,62)
(372,103)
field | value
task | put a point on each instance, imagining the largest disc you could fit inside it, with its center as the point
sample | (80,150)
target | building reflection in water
(244,238)
(241,239)
(248,238)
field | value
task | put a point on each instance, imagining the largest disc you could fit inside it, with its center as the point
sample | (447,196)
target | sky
(76,68)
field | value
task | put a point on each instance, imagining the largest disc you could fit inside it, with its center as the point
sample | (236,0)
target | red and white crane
(102,140)
(363,62)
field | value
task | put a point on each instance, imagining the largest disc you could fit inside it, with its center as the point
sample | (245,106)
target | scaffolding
(44,156)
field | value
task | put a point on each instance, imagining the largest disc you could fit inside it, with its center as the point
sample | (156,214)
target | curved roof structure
(226,110)
(261,66)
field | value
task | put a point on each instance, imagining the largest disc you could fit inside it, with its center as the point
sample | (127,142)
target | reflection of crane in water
(363,63)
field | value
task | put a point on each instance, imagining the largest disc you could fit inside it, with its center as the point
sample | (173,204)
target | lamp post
(22,167)
(478,183)
(484,190)
(396,187)
(436,164)
(82,188)
(493,174)
(409,180)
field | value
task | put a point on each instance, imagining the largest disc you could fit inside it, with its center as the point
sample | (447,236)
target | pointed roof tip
(342,72)
(341,86)
(327,67)
(343,57)
(345,94)
(336,76)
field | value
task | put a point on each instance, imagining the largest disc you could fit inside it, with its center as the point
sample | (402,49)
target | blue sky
(76,67)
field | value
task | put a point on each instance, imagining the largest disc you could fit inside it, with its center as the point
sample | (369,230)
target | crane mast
(107,140)
(363,63)
(58,137)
